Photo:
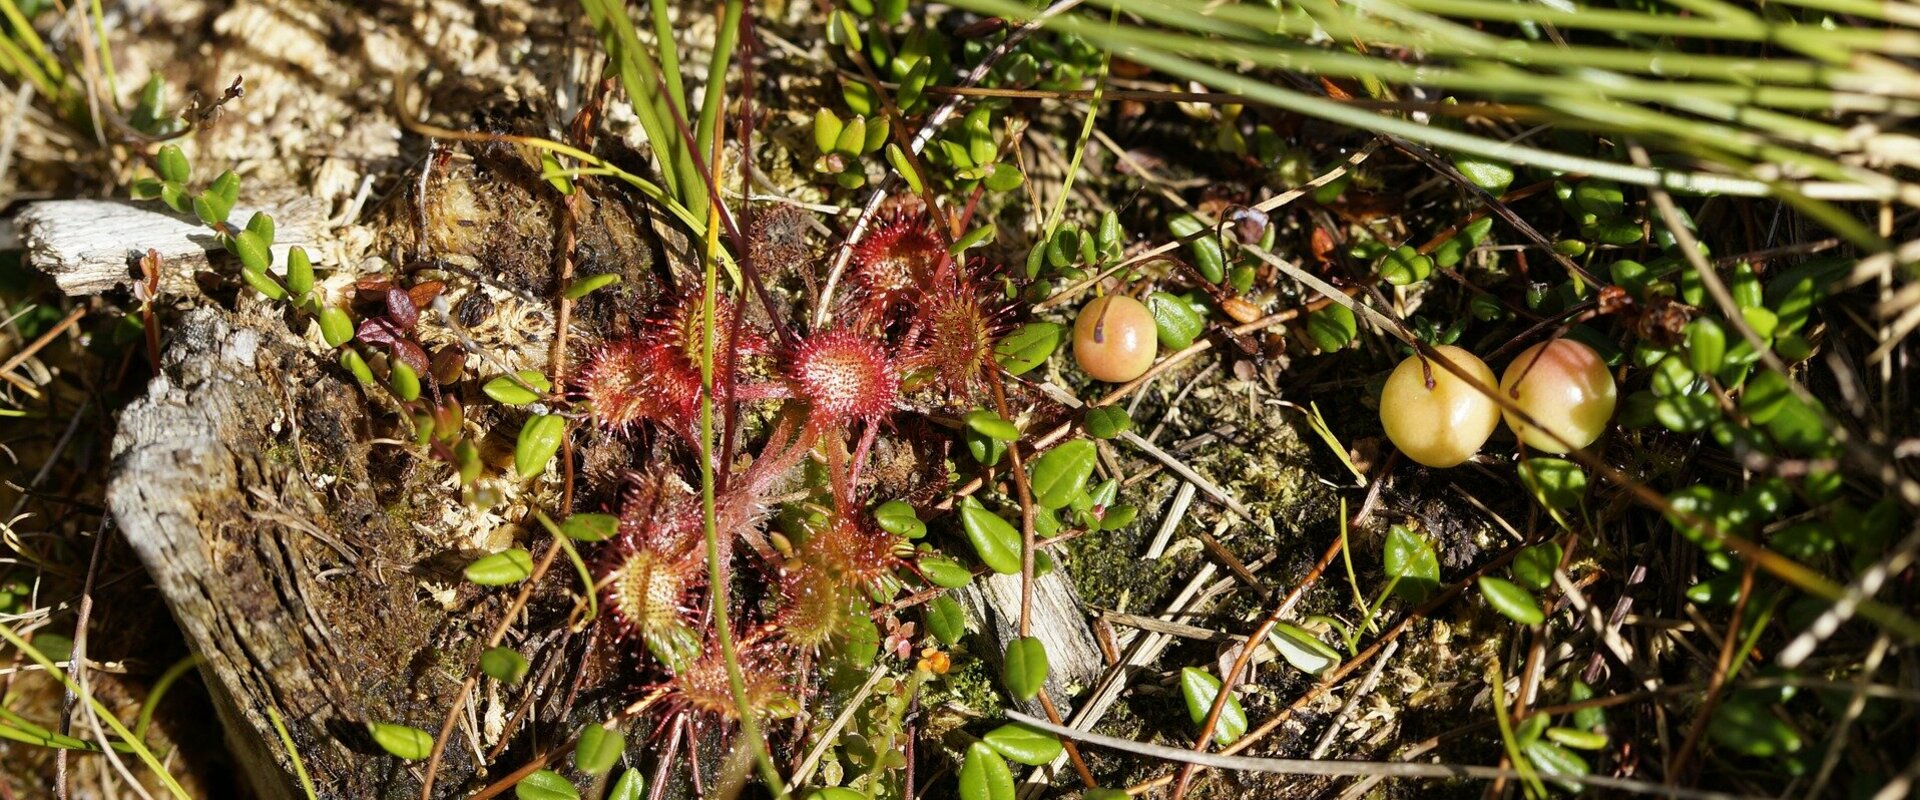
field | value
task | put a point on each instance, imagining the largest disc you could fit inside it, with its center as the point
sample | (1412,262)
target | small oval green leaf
(1303,650)
(1027,346)
(599,749)
(1533,567)
(404,382)
(1025,667)
(995,540)
(590,284)
(1176,323)
(1106,422)
(1511,601)
(335,326)
(898,518)
(945,572)
(502,568)
(1061,473)
(946,620)
(401,741)
(590,527)
(504,389)
(1025,745)
(545,785)
(539,440)
(299,271)
(1410,559)
(1199,689)
(989,424)
(631,786)
(984,775)
(504,664)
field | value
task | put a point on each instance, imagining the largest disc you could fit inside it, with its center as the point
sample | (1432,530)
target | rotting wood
(89,246)
(296,593)
(1059,619)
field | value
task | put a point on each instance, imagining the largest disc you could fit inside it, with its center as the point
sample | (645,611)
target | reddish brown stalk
(1247,649)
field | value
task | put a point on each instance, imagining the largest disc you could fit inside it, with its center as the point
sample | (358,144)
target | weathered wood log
(242,481)
(91,246)
(1058,618)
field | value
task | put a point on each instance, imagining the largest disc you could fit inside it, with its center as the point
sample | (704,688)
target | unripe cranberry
(1114,339)
(1565,387)
(1442,424)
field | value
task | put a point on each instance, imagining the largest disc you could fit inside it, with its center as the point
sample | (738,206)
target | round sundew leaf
(946,620)
(590,527)
(1511,601)
(1106,422)
(1025,668)
(995,540)
(539,441)
(1533,567)
(1061,473)
(989,424)
(1028,346)
(945,572)
(1199,688)
(599,749)
(504,389)
(502,568)
(1409,557)
(1303,650)
(984,775)
(1023,744)
(401,741)
(545,785)
(898,518)
(504,664)
(631,786)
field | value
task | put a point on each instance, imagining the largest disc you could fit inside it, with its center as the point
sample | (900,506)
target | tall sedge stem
(716,568)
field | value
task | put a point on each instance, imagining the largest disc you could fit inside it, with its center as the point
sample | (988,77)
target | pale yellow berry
(1566,388)
(1114,339)
(1441,425)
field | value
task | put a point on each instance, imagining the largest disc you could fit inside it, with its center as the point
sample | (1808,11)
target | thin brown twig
(493,640)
